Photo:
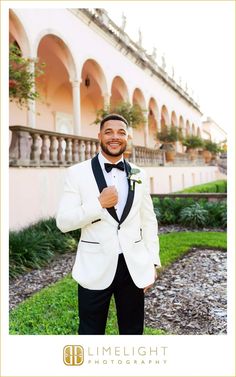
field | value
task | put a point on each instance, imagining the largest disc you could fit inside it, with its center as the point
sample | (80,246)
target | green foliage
(36,245)
(187,212)
(192,142)
(22,77)
(54,310)
(216,186)
(194,216)
(168,134)
(217,213)
(132,113)
(167,209)
(211,146)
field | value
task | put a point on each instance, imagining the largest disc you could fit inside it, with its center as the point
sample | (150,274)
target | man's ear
(99,136)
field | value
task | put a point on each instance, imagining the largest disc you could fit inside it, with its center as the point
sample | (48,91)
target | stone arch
(18,36)
(139,133)
(188,130)
(55,86)
(199,134)
(153,126)
(165,120)
(17,33)
(119,91)
(94,96)
(174,121)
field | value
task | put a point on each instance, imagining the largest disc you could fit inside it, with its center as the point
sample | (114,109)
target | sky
(197,39)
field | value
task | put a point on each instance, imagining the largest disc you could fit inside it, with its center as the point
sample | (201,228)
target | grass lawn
(53,310)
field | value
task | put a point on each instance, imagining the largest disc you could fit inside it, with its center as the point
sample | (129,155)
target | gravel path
(189,297)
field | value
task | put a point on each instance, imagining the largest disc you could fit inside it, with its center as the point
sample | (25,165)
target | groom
(118,251)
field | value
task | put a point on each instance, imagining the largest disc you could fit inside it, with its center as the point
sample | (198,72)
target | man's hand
(151,285)
(108,197)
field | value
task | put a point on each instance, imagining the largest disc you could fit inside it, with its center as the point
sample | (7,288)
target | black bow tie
(119,166)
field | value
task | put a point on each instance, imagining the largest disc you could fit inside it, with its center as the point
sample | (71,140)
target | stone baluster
(60,156)
(75,150)
(35,150)
(87,150)
(68,151)
(97,147)
(81,150)
(53,149)
(93,149)
(44,156)
(20,148)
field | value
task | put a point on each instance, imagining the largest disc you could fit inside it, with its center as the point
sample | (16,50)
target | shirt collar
(103,160)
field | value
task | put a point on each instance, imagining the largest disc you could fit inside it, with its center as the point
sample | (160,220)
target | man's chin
(114,153)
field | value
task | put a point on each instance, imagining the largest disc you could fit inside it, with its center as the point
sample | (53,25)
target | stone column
(146,134)
(76,106)
(31,113)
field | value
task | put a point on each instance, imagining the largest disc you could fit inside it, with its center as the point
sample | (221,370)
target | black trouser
(129,299)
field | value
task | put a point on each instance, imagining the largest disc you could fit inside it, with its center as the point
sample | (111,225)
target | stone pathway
(190,297)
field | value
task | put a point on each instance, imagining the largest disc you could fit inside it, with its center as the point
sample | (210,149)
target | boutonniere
(131,179)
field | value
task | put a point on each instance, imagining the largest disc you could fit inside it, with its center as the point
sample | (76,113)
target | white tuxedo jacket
(102,233)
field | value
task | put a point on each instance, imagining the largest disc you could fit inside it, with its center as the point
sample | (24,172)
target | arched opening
(138,133)
(199,132)
(174,121)
(55,109)
(93,92)
(188,131)
(18,36)
(193,129)
(153,116)
(165,120)
(119,91)
(183,130)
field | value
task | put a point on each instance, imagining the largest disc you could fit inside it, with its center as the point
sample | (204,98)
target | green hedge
(191,212)
(216,186)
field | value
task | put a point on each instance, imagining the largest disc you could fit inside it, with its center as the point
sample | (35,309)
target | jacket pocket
(95,221)
(93,242)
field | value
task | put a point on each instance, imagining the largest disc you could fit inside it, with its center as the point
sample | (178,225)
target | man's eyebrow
(111,129)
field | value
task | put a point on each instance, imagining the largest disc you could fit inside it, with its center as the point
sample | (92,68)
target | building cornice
(121,41)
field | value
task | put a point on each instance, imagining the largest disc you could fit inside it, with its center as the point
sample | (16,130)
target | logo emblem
(73,355)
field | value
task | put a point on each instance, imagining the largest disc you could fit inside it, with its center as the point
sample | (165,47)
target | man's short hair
(113,117)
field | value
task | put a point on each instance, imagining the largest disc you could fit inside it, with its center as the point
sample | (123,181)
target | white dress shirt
(117,178)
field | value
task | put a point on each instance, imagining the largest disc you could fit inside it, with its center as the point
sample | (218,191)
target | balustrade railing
(38,148)
(33,147)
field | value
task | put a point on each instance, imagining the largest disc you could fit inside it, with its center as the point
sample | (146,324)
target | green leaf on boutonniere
(132,172)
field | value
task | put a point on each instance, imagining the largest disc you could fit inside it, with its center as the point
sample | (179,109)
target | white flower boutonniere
(132,180)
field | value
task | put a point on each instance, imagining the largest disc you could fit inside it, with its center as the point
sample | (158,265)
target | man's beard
(114,154)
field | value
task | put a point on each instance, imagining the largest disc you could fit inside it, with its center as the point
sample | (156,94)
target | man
(118,250)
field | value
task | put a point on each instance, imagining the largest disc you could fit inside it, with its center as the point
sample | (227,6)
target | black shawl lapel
(130,197)
(101,182)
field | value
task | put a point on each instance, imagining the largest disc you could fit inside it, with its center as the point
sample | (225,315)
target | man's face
(113,138)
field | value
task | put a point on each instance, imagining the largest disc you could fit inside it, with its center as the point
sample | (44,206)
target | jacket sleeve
(72,213)
(150,225)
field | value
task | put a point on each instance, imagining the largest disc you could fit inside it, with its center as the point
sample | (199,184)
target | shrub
(36,245)
(217,213)
(194,216)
